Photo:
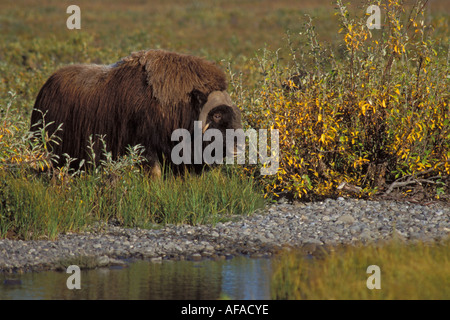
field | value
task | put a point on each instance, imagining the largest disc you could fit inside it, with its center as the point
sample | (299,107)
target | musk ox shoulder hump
(174,76)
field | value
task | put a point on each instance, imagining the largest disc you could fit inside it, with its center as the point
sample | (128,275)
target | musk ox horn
(215,99)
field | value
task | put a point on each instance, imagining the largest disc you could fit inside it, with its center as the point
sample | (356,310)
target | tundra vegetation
(360,112)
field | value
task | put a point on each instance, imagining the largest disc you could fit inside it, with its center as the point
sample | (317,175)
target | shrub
(18,148)
(368,122)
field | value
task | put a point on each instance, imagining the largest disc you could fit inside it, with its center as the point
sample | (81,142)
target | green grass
(414,271)
(36,207)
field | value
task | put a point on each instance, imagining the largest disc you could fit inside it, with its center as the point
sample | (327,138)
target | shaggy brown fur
(141,99)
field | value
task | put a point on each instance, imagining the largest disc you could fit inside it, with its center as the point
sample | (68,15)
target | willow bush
(366,117)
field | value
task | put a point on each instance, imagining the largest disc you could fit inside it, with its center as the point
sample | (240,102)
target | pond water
(238,278)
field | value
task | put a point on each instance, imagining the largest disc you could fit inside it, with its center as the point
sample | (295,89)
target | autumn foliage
(373,121)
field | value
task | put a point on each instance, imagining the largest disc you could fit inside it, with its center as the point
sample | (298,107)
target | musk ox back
(141,99)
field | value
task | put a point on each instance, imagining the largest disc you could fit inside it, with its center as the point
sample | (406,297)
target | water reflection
(246,279)
(238,278)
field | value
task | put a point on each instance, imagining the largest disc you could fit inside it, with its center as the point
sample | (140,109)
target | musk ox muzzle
(142,99)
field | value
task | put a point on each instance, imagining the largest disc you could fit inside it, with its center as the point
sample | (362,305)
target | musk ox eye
(217,117)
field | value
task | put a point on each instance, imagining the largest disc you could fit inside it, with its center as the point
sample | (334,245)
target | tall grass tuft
(33,207)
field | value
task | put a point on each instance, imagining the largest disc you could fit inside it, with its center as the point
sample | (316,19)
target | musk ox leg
(155,171)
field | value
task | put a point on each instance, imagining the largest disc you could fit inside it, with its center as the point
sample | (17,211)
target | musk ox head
(220,113)
(141,99)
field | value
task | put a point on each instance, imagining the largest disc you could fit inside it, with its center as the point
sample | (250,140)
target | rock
(117,262)
(195,257)
(366,235)
(215,234)
(311,245)
(156,259)
(346,218)
(102,261)
(313,241)
(398,235)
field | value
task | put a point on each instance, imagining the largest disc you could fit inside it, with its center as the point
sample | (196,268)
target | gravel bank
(304,225)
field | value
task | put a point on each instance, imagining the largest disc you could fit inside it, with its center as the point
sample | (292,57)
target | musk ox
(141,99)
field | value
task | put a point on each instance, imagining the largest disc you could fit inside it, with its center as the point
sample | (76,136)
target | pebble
(346,218)
(306,226)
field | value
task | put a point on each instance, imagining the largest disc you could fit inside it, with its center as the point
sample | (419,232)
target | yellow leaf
(322,138)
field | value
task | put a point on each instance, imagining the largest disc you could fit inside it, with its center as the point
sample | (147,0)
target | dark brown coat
(141,99)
